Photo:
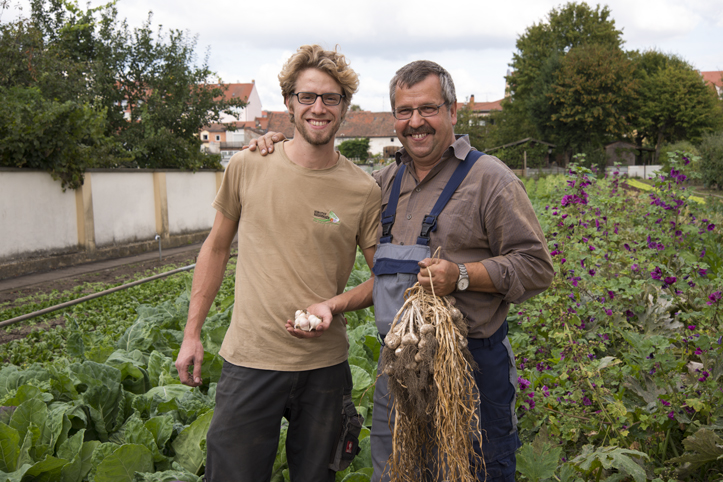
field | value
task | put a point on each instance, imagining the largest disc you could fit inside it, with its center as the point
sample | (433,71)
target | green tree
(541,52)
(674,102)
(588,99)
(152,94)
(573,25)
(355,148)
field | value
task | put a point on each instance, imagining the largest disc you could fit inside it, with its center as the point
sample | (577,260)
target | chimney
(253,81)
(471,100)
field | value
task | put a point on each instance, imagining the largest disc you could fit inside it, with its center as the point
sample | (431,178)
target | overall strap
(429,224)
(391,211)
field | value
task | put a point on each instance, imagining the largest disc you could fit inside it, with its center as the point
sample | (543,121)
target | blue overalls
(395,269)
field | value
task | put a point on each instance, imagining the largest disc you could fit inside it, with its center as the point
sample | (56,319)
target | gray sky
(473,39)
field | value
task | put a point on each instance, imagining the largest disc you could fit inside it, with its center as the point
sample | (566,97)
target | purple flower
(586,401)
(702,271)
(592,248)
(669,280)
(656,273)
(554,253)
(545,391)
(671,415)
(714,297)
(609,312)
(626,246)
(698,351)
(691,327)
(524,384)
(664,402)
(711,227)
(562,261)
(591,272)
(634,267)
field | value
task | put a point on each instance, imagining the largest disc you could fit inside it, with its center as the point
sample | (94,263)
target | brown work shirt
(489,219)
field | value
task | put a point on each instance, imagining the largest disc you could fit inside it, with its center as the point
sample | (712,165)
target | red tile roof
(714,77)
(481,106)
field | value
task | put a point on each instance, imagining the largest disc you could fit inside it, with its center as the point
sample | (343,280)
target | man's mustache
(418,130)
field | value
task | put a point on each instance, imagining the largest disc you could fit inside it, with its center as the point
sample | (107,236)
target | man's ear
(453,113)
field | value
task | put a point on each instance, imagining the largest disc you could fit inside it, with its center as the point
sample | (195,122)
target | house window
(391,139)
(218,138)
(205,137)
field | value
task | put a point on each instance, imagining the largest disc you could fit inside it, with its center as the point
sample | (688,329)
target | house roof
(239,91)
(367,124)
(481,106)
(714,77)
(356,124)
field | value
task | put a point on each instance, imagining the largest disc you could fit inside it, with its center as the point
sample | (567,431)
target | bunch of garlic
(305,320)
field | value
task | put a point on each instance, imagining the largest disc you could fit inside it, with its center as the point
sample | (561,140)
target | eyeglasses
(309,98)
(424,110)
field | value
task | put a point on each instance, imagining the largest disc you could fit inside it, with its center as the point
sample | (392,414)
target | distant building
(480,110)
(715,80)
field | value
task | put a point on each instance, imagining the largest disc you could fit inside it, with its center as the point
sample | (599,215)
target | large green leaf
(538,460)
(33,411)
(105,405)
(9,448)
(71,450)
(161,428)
(701,448)
(135,432)
(188,444)
(122,465)
(611,457)
(362,381)
(91,373)
(168,392)
(139,336)
(46,470)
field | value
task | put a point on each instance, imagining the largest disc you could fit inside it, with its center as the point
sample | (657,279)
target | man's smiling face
(317,123)
(425,138)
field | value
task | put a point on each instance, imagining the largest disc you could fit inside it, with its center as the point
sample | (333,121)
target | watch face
(463,284)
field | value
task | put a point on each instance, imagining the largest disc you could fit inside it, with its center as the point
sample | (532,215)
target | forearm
(357,298)
(479,278)
(207,279)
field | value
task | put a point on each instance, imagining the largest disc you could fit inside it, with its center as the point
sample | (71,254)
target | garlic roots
(306,321)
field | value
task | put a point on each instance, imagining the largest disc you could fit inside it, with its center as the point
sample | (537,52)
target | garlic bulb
(306,321)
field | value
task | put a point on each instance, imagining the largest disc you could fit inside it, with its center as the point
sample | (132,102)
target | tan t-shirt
(297,237)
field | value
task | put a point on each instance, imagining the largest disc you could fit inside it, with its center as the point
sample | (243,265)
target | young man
(299,215)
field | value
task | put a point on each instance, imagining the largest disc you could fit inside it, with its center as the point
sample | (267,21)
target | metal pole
(160,255)
(93,296)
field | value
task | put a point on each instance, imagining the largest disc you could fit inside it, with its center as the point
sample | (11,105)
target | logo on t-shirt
(324,218)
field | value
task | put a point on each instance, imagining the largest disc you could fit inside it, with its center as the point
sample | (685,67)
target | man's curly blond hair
(330,62)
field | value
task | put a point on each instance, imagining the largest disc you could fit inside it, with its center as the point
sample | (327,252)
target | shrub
(711,151)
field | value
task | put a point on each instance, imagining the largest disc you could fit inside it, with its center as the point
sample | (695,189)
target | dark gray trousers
(243,437)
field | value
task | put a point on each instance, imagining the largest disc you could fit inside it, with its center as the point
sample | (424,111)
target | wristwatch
(463,280)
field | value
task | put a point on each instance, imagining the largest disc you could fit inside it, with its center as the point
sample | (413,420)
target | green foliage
(588,98)
(355,148)
(674,102)
(514,156)
(711,166)
(130,98)
(63,138)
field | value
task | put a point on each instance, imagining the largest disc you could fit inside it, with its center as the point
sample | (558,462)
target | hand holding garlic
(306,321)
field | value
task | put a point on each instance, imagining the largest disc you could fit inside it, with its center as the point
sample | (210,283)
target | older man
(441,193)
(299,216)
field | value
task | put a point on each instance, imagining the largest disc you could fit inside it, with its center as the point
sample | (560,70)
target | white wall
(123,207)
(35,214)
(643,171)
(189,201)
